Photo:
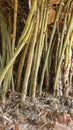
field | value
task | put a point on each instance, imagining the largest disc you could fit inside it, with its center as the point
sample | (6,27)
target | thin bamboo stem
(64,47)
(50,44)
(14,25)
(62,36)
(47,66)
(25,30)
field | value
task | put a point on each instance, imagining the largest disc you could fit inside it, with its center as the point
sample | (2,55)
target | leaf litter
(41,113)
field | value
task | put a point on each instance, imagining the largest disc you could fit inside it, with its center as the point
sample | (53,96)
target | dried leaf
(54,2)
(1,119)
(42,116)
(64,118)
(51,15)
(1,127)
(48,125)
(16,125)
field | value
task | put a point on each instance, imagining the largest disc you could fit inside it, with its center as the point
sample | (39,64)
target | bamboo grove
(41,57)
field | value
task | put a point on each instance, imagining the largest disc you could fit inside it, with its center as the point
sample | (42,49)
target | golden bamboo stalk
(30,59)
(14,26)
(23,56)
(40,49)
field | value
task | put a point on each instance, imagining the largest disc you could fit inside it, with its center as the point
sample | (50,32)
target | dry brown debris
(50,113)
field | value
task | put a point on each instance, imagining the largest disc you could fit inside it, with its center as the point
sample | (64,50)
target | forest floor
(43,113)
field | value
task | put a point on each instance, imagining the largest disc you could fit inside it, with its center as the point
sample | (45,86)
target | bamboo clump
(43,50)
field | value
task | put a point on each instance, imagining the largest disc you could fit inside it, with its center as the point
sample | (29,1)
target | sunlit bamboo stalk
(67,68)
(30,59)
(21,64)
(40,49)
(36,48)
(22,59)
